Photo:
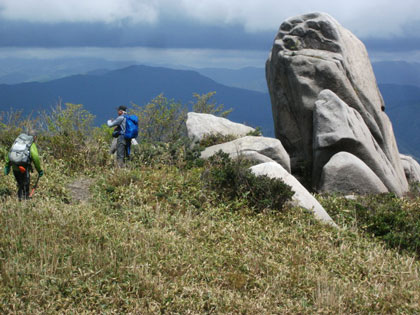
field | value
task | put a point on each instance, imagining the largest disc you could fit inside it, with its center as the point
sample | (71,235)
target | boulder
(311,53)
(338,127)
(411,168)
(200,125)
(345,173)
(259,149)
(301,197)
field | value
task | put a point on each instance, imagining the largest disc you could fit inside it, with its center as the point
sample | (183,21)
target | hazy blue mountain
(249,78)
(102,92)
(19,70)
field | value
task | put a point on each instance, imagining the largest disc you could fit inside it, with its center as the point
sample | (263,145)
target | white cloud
(375,18)
(53,11)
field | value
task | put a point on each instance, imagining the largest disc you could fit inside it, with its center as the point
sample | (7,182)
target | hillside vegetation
(159,236)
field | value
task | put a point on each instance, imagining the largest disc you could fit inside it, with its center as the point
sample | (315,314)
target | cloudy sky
(233,33)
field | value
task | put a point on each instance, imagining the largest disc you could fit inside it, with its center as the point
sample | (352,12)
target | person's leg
(121,150)
(128,149)
(23,181)
(26,183)
(19,183)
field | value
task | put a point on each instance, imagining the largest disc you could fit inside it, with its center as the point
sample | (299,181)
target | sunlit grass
(152,240)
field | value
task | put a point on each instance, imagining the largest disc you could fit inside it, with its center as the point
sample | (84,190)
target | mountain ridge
(102,93)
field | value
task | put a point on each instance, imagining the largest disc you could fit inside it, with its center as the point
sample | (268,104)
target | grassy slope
(152,239)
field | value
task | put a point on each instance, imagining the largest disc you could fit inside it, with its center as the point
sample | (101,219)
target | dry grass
(151,240)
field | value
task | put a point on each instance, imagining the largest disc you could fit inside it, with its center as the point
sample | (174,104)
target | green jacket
(34,158)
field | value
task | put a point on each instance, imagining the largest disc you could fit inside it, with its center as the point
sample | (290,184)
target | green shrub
(212,139)
(394,220)
(204,104)
(161,120)
(150,154)
(256,133)
(69,135)
(233,179)
(179,153)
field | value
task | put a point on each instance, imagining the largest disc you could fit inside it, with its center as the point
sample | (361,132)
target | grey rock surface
(345,173)
(200,125)
(301,197)
(259,149)
(338,127)
(311,53)
(411,168)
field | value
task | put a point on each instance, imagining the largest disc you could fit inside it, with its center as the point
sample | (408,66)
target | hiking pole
(33,189)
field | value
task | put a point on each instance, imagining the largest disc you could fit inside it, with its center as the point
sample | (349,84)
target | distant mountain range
(19,70)
(100,90)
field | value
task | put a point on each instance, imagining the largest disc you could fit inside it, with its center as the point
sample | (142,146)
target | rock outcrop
(258,149)
(312,53)
(269,153)
(411,168)
(302,197)
(347,174)
(338,127)
(200,125)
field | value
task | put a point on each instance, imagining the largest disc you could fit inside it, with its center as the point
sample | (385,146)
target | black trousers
(23,181)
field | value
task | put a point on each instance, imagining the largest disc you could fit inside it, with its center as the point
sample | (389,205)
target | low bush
(395,221)
(68,134)
(205,104)
(256,133)
(233,179)
(213,139)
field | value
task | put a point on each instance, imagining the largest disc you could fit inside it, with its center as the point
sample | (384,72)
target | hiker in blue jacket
(123,145)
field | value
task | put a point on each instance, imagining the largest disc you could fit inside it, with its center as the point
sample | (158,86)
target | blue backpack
(131,126)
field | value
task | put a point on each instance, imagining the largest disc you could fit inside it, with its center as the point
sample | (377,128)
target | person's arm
(7,160)
(7,166)
(35,157)
(116,122)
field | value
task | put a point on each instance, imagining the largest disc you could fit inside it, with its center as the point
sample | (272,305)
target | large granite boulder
(338,127)
(411,168)
(311,53)
(200,125)
(258,149)
(301,197)
(347,174)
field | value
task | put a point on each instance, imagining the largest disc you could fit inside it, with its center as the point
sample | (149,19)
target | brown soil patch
(79,189)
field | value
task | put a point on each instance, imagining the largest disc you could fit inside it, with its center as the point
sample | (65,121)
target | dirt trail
(79,189)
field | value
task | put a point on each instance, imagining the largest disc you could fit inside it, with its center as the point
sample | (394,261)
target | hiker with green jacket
(22,155)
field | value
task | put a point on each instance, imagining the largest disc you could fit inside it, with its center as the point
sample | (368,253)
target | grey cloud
(384,18)
(165,35)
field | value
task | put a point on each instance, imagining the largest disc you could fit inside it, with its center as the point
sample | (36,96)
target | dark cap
(122,107)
